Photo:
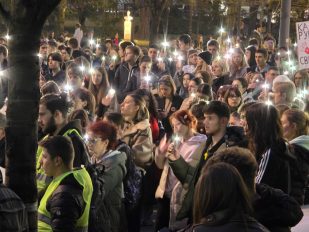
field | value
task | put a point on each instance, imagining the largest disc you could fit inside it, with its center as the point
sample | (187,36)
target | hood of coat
(112,159)
(133,128)
(302,141)
(74,124)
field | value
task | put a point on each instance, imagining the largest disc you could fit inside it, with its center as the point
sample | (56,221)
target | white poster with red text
(302,32)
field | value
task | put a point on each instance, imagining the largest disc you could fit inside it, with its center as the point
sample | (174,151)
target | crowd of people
(210,139)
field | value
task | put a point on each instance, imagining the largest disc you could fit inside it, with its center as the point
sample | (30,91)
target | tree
(156,9)
(25,21)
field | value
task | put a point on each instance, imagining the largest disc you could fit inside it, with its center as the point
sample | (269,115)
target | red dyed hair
(185,117)
(105,130)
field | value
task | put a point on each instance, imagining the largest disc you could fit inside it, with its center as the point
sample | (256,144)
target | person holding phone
(187,143)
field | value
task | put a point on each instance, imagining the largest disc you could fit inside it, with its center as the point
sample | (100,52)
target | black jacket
(219,81)
(176,103)
(274,167)
(122,76)
(80,149)
(66,205)
(214,223)
(275,210)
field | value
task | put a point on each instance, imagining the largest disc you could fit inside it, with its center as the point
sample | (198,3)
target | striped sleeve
(262,167)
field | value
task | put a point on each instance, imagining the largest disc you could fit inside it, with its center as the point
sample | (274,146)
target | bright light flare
(165,44)
(111,92)
(91,41)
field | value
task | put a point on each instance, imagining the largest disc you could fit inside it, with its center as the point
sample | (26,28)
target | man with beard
(53,120)
(219,136)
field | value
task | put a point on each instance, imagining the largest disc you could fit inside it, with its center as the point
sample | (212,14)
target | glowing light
(111,92)
(68,88)
(170,59)
(237,45)
(7,37)
(176,139)
(286,72)
(295,45)
(103,58)
(228,40)
(165,44)
(147,78)
(179,57)
(40,55)
(227,56)
(231,50)
(175,53)
(257,80)
(288,52)
(91,41)
(193,95)
(266,86)
(91,70)
(114,57)
(218,58)
(278,53)
(86,137)
(269,103)
(82,68)
(160,59)
(221,30)
(97,45)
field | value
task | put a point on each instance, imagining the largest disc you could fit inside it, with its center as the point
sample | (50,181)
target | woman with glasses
(102,141)
(232,98)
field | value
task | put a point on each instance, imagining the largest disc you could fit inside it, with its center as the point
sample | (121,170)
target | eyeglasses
(92,140)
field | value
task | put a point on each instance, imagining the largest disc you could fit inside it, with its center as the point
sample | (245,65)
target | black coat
(274,167)
(120,83)
(80,149)
(176,103)
(66,205)
(219,81)
(276,210)
(236,223)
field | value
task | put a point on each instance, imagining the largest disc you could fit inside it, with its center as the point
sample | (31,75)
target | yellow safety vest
(42,180)
(44,217)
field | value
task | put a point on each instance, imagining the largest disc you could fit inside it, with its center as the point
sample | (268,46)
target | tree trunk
(253,18)
(190,17)
(154,27)
(25,21)
(284,31)
(144,22)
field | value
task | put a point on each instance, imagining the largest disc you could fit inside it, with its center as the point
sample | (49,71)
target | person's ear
(224,121)
(58,161)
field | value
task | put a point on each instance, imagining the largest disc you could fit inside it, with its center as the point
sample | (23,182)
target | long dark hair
(152,103)
(251,61)
(219,188)
(102,90)
(264,127)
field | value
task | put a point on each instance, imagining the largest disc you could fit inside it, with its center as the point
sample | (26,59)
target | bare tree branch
(6,14)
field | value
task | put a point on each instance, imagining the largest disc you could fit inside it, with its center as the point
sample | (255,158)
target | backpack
(298,166)
(96,216)
(132,182)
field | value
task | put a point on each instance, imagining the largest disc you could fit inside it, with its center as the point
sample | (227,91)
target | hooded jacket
(112,209)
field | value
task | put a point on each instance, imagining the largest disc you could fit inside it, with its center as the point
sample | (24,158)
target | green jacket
(189,175)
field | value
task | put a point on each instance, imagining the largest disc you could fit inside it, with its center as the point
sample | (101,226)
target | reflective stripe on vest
(44,217)
(42,180)
(46,220)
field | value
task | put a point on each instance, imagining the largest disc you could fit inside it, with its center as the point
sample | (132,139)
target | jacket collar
(133,128)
